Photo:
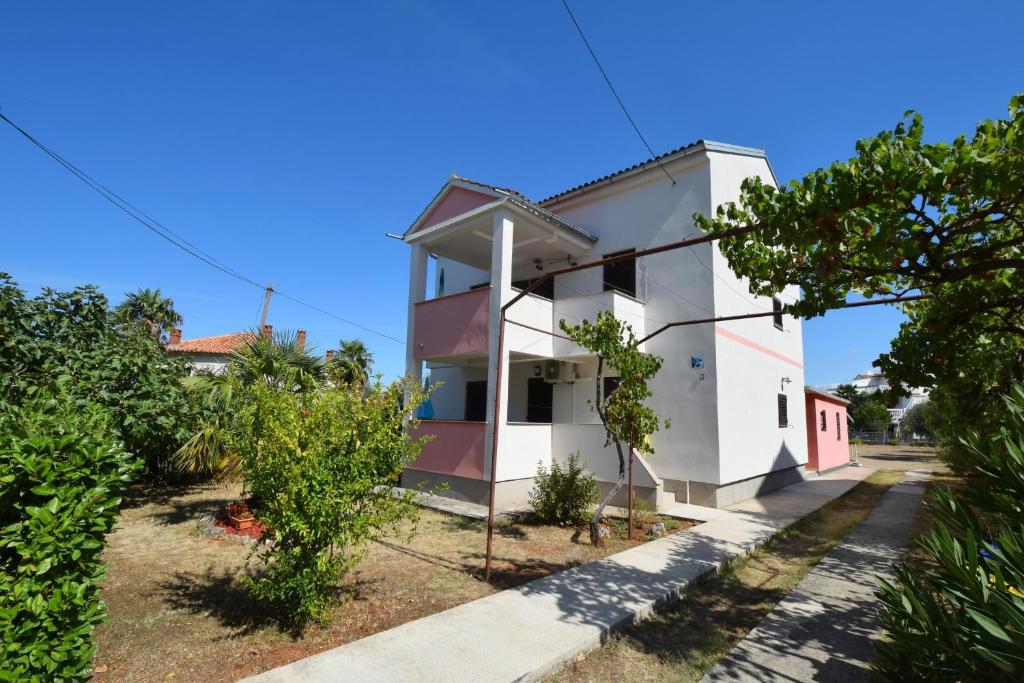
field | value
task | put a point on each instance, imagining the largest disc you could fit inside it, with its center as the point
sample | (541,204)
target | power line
(611,87)
(170,236)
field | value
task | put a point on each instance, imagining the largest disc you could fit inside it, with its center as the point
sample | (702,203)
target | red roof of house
(221,343)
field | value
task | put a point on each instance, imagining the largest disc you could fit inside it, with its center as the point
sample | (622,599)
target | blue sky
(287,138)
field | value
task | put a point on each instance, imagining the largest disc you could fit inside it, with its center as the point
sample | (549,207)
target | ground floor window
(476,401)
(783,410)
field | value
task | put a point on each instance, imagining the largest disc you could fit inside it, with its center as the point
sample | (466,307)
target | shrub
(962,618)
(563,495)
(70,337)
(917,422)
(321,468)
(61,476)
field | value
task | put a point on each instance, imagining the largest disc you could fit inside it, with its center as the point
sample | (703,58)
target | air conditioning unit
(556,371)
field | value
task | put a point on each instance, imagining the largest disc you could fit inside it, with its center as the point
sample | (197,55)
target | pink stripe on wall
(757,347)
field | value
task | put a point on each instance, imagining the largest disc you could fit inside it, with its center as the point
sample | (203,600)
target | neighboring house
(872,382)
(828,434)
(733,391)
(213,354)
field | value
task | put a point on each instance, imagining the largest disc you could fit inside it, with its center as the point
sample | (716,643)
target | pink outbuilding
(828,436)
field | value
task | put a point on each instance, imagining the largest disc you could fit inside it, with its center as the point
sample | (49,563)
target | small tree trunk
(595,539)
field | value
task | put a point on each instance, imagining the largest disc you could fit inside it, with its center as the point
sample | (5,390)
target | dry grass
(177,611)
(682,641)
(898,457)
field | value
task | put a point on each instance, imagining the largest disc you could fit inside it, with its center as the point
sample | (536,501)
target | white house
(213,354)
(732,390)
(872,382)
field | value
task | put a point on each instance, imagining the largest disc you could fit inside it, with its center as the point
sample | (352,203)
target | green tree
(68,340)
(867,409)
(918,421)
(321,467)
(352,363)
(150,309)
(628,421)
(871,415)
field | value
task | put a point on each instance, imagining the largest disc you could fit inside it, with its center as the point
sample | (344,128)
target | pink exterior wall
(824,450)
(452,325)
(458,200)
(457,448)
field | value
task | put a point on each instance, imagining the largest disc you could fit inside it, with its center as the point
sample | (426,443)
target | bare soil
(683,640)
(177,611)
(900,457)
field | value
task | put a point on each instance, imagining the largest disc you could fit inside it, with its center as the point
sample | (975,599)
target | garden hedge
(62,474)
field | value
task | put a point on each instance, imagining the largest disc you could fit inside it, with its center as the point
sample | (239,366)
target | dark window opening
(539,400)
(476,402)
(777,312)
(609,385)
(837,426)
(621,276)
(824,422)
(545,290)
(783,410)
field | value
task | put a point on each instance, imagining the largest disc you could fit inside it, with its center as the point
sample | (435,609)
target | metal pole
(630,498)
(494,445)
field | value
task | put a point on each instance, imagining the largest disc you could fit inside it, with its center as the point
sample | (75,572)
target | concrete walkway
(822,631)
(523,633)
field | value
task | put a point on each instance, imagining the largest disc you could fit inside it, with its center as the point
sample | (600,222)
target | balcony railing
(457,448)
(453,325)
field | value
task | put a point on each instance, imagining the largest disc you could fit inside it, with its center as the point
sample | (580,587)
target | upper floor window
(777,312)
(621,275)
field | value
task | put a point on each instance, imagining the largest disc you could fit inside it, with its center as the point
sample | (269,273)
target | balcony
(457,325)
(452,326)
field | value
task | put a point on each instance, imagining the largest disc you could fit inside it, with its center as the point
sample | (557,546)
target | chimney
(329,356)
(175,337)
(300,339)
(267,331)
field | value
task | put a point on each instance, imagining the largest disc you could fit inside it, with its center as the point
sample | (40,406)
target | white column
(417,292)
(501,293)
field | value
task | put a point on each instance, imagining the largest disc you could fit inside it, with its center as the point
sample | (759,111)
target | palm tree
(207,453)
(150,309)
(352,363)
(278,361)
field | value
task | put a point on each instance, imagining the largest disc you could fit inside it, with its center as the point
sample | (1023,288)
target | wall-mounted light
(537,371)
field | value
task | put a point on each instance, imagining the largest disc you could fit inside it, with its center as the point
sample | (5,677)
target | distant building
(213,354)
(873,382)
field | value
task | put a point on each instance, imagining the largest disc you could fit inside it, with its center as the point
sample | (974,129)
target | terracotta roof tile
(222,343)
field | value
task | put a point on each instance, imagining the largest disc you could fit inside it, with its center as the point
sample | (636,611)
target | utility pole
(266,305)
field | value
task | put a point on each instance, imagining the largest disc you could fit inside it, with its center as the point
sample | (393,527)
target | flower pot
(241,522)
